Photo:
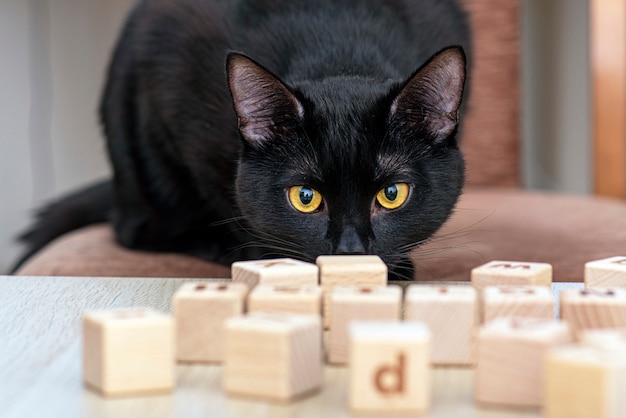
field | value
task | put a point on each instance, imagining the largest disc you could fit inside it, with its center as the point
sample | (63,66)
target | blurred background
(54,55)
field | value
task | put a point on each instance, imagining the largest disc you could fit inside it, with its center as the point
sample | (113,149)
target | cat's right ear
(265,107)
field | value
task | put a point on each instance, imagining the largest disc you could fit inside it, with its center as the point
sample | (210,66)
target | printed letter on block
(496,273)
(390,367)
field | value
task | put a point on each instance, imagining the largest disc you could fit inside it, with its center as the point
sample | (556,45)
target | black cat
(317,136)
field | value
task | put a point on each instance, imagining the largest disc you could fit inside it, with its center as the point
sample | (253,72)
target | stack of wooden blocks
(267,329)
(572,367)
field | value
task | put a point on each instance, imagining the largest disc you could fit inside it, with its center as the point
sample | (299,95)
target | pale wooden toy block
(583,381)
(390,367)
(496,273)
(128,352)
(603,337)
(306,299)
(609,272)
(367,270)
(350,303)
(517,301)
(451,313)
(200,310)
(594,308)
(274,356)
(510,365)
(279,271)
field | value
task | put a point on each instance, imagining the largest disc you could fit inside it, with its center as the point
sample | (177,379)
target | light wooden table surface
(40,361)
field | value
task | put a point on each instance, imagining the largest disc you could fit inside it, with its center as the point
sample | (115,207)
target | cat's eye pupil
(391,192)
(306,195)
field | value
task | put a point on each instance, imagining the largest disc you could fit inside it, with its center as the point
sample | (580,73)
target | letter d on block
(390,378)
(389,366)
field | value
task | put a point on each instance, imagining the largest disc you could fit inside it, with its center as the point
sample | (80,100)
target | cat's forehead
(343,96)
(346,114)
(346,124)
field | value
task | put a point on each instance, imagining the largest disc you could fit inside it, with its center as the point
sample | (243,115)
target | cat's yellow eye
(393,196)
(305,199)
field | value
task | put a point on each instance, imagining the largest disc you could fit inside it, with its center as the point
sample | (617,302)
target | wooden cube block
(451,313)
(128,352)
(306,299)
(280,271)
(609,272)
(517,301)
(273,356)
(510,365)
(584,382)
(367,270)
(200,310)
(603,337)
(594,308)
(350,303)
(389,367)
(496,273)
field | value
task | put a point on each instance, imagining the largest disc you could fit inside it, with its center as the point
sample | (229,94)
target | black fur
(325,93)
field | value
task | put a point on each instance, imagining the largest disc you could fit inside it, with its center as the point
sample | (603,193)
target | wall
(54,54)
(556,152)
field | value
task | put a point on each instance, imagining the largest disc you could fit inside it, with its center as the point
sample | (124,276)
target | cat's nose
(349,242)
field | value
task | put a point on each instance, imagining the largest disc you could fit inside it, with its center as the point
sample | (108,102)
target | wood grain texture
(517,301)
(40,361)
(200,311)
(584,381)
(366,270)
(608,73)
(594,308)
(451,314)
(390,367)
(305,299)
(495,273)
(128,352)
(510,369)
(279,271)
(350,303)
(608,272)
(273,356)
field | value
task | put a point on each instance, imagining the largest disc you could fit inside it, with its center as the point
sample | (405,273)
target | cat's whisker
(267,238)
(395,267)
(280,247)
(234,219)
(455,234)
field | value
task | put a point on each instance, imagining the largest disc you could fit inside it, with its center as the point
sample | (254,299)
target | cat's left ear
(430,98)
(265,107)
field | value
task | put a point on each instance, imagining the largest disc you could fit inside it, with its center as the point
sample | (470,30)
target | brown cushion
(92,251)
(514,225)
(490,224)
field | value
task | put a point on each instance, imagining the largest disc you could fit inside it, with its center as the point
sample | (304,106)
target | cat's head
(349,165)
